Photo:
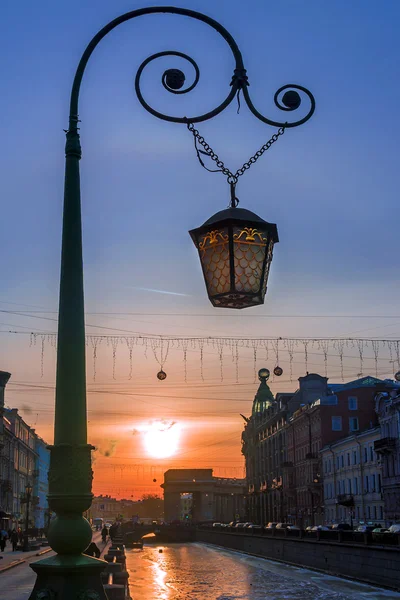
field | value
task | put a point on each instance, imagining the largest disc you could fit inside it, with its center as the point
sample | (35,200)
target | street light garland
(272,351)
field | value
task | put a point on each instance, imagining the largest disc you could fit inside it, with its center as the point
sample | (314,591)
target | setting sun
(161,439)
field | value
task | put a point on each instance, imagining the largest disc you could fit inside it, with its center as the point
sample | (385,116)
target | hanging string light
(383,353)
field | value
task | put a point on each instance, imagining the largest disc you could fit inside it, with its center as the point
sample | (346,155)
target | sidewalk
(9,558)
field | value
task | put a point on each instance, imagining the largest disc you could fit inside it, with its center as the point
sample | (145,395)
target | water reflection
(199,572)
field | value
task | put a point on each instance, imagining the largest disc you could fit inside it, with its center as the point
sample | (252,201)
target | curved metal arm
(290,101)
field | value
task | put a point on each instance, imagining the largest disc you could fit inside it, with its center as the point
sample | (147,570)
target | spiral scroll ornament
(286,98)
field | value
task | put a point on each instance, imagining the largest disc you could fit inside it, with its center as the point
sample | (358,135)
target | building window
(354,457)
(355,490)
(371,453)
(353,423)
(352,402)
(349,485)
(366,490)
(342,461)
(379,483)
(365,454)
(348,459)
(381,513)
(336,423)
(374,512)
(337,462)
(368,512)
(373,483)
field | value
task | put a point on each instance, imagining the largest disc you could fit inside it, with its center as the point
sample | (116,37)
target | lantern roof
(241,215)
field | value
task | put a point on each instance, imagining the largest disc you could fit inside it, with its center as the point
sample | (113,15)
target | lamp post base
(67,577)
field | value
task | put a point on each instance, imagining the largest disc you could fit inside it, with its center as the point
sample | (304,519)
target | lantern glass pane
(270,253)
(213,248)
(250,245)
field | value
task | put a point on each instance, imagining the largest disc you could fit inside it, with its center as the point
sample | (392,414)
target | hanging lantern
(235,248)
(397,376)
(161,375)
(278,371)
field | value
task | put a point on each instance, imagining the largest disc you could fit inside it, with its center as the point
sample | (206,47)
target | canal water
(201,572)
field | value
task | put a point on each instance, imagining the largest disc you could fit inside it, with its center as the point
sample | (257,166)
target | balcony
(385,445)
(345,499)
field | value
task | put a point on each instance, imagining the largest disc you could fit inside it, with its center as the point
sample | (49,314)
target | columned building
(352,477)
(387,407)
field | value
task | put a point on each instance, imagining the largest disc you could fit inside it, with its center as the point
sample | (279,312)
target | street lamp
(28,494)
(235,248)
(70,574)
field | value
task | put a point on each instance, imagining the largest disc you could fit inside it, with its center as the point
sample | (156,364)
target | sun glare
(161,440)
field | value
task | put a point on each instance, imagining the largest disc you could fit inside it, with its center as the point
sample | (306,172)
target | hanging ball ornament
(278,371)
(397,376)
(161,375)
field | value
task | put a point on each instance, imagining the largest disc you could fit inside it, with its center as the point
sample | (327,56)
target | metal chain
(208,151)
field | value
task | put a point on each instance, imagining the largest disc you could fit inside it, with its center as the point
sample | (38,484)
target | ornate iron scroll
(287,98)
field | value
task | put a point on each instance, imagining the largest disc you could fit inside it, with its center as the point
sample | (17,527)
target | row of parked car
(378,533)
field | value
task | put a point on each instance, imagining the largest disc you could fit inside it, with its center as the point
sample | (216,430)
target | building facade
(352,477)
(387,407)
(264,446)
(5,457)
(41,485)
(283,438)
(218,499)
(24,459)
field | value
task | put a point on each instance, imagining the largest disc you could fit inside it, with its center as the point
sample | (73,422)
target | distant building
(264,446)
(387,407)
(284,435)
(6,459)
(212,498)
(352,477)
(24,459)
(41,484)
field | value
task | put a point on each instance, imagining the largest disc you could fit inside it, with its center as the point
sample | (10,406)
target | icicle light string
(378,350)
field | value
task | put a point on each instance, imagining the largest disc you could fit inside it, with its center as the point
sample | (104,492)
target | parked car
(282,525)
(232,524)
(254,527)
(378,534)
(309,528)
(293,528)
(365,528)
(320,528)
(341,527)
(216,525)
(241,525)
(271,525)
(395,528)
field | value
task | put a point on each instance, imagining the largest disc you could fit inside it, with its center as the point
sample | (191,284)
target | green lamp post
(69,574)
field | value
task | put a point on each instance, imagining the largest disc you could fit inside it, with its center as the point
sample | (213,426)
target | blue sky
(331,185)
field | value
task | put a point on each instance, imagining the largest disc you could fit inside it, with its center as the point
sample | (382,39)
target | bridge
(133,533)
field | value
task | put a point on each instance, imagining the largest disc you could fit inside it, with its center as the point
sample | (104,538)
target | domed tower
(264,397)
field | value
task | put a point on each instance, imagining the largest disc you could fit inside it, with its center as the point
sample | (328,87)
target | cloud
(159,291)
